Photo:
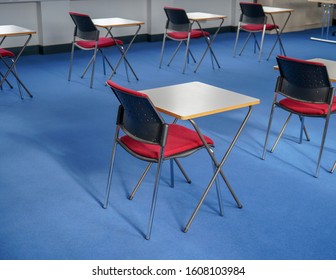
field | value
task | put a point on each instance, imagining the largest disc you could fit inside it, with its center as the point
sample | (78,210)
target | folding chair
(179,28)
(253,20)
(86,37)
(142,132)
(307,92)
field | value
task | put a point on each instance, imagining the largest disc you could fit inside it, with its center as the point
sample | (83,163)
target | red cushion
(180,139)
(258,27)
(195,33)
(307,108)
(6,53)
(103,42)
(300,60)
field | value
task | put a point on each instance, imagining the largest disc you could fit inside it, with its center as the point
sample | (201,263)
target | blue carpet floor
(55,151)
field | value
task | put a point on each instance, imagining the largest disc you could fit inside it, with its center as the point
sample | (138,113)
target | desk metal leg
(209,43)
(326,17)
(11,68)
(278,39)
(219,168)
(124,52)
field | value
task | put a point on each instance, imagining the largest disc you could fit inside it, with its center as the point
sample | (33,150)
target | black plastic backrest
(138,117)
(85,28)
(177,19)
(252,13)
(304,80)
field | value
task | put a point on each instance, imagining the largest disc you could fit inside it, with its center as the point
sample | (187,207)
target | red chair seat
(307,108)
(103,42)
(195,33)
(180,139)
(6,53)
(258,27)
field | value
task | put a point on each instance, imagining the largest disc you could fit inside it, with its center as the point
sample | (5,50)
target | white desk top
(195,99)
(14,30)
(116,22)
(200,16)
(275,10)
(323,1)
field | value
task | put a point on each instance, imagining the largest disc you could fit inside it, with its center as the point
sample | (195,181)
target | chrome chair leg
(268,131)
(183,171)
(154,199)
(322,145)
(140,181)
(333,167)
(281,132)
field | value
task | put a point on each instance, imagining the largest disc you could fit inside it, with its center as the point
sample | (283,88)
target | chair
(307,92)
(253,20)
(179,28)
(147,137)
(4,55)
(86,37)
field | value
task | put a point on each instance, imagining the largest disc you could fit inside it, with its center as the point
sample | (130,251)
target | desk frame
(273,11)
(198,17)
(108,24)
(170,105)
(14,31)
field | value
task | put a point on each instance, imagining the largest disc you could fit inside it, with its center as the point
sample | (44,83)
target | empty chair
(86,37)
(253,20)
(4,55)
(142,132)
(306,92)
(179,28)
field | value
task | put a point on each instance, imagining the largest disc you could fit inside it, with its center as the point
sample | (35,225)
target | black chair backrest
(138,117)
(177,19)
(304,80)
(84,27)
(252,13)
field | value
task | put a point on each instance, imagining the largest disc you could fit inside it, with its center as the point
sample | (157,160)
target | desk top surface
(275,10)
(204,16)
(14,30)
(195,99)
(115,21)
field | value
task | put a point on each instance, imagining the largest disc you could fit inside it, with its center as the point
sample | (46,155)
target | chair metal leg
(140,181)
(236,42)
(268,130)
(245,43)
(333,167)
(162,49)
(186,54)
(305,130)
(109,179)
(322,145)
(261,43)
(174,54)
(183,171)
(281,132)
(154,199)
(71,60)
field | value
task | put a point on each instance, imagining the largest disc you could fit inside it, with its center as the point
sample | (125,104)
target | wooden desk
(271,11)
(108,24)
(327,12)
(193,100)
(200,17)
(15,31)
(330,64)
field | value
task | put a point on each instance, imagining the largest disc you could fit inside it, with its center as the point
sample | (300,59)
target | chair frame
(253,14)
(306,82)
(178,22)
(154,130)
